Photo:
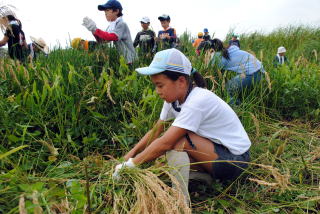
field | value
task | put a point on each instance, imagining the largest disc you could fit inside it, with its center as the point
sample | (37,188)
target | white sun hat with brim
(5,10)
(281,50)
(168,60)
(41,44)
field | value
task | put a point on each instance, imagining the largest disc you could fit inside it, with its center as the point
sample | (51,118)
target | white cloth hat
(168,60)
(6,10)
(281,50)
(145,20)
(41,44)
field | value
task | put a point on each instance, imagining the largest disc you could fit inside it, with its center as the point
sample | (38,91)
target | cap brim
(149,71)
(102,7)
(45,50)
(32,38)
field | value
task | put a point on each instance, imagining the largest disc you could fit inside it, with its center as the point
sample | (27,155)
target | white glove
(119,167)
(89,24)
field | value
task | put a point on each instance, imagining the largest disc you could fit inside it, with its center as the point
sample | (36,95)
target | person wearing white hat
(13,36)
(145,38)
(37,46)
(205,128)
(280,58)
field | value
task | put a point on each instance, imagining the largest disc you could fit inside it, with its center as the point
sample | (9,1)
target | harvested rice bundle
(142,191)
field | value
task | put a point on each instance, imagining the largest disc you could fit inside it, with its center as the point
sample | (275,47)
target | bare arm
(4,41)
(146,140)
(159,146)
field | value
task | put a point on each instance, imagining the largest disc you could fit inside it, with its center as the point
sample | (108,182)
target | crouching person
(81,44)
(205,128)
(36,47)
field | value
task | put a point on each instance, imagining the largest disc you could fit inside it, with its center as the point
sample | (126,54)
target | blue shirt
(240,61)
(168,43)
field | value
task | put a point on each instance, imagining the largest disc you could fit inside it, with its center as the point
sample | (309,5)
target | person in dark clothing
(234,41)
(167,38)
(204,46)
(14,37)
(145,38)
(206,35)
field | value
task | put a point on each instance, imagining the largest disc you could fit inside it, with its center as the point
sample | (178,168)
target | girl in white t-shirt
(205,128)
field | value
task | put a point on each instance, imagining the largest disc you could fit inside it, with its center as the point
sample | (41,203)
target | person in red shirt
(117,31)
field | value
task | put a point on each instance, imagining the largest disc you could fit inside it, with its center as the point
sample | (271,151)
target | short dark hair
(120,11)
(11,18)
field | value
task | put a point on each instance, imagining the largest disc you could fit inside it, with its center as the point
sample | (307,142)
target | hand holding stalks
(119,167)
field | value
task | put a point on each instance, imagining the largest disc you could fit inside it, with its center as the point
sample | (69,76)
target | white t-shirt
(208,116)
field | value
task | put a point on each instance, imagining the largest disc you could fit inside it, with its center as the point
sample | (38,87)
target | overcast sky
(58,20)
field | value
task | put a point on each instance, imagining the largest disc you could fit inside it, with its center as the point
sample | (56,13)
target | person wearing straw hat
(13,36)
(280,58)
(118,31)
(145,38)
(37,46)
(205,129)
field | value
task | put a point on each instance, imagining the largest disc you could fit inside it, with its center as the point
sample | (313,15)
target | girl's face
(168,89)
(111,15)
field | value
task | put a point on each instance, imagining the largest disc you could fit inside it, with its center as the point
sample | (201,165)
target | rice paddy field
(66,121)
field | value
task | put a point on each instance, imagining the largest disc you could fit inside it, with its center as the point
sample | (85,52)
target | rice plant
(66,118)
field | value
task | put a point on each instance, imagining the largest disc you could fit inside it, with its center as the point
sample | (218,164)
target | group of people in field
(15,38)
(206,137)
(205,129)
(119,33)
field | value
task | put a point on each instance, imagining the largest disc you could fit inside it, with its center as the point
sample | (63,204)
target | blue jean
(238,84)
(228,170)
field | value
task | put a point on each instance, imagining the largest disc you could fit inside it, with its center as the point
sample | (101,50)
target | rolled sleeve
(189,118)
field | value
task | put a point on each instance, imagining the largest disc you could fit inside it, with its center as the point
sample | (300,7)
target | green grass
(77,111)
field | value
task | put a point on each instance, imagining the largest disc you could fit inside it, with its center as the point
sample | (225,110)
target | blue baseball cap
(111,4)
(205,30)
(167,60)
